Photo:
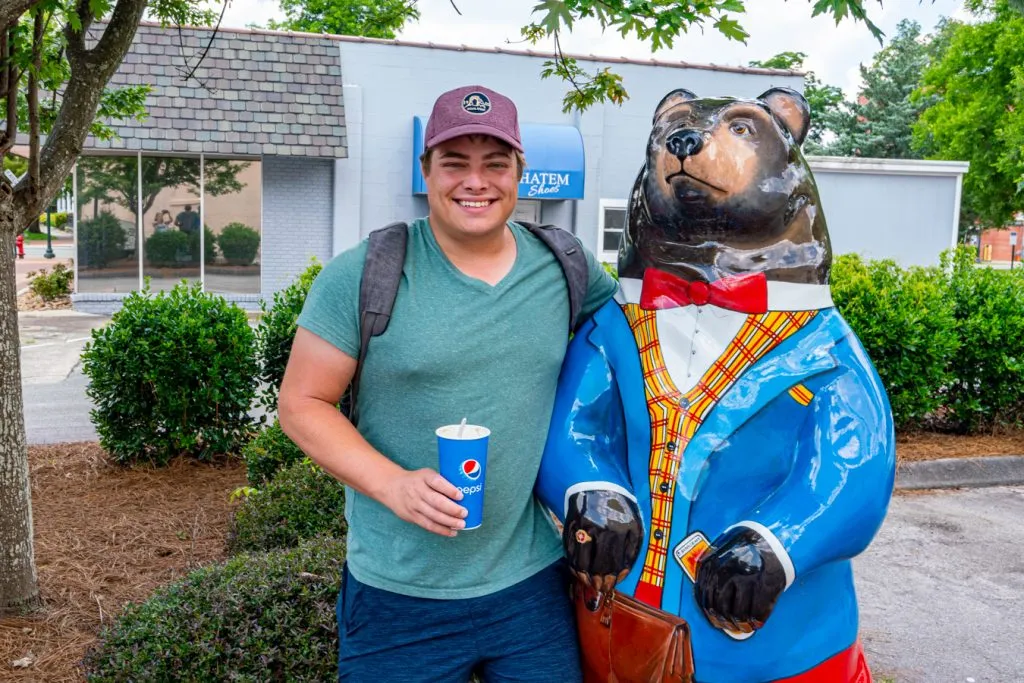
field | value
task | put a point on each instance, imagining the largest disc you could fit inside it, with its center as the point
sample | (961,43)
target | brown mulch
(933,445)
(30,302)
(106,536)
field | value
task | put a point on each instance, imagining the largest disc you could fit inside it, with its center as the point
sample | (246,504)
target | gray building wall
(909,218)
(298,199)
(387,85)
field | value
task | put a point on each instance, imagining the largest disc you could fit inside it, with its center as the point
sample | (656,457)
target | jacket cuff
(775,544)
(594,486)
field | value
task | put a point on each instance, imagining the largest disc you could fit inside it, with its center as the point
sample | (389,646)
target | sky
(834,53)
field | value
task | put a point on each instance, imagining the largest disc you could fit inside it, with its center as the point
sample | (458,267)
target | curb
(997,470)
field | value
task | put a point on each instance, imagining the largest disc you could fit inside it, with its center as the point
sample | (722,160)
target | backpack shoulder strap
(569,253)
(382,273)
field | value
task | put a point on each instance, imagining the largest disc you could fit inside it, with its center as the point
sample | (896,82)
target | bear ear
(677,96)
(791,108)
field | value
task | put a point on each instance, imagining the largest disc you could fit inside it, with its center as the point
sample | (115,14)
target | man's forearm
(330,440)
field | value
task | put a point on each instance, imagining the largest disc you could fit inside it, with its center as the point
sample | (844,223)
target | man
(188,221)
(479,330)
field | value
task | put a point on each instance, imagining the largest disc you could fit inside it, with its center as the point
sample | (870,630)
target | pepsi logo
(471,468)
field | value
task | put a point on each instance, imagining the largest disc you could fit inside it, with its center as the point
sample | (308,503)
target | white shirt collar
(782,296)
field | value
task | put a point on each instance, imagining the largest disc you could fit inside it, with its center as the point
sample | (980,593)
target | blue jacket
(818,476)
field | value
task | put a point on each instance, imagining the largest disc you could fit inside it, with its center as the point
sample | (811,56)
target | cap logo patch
(476,103)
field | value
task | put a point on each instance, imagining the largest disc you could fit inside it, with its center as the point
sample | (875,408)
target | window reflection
(233,200)
(173,210)
(107,229)
(170,221)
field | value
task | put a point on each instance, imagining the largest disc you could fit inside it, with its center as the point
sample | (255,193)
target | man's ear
(791,109)
(676,97)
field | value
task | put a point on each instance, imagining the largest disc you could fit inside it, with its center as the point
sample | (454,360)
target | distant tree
(824,100)
(370,18)
(979,115)
(880,122)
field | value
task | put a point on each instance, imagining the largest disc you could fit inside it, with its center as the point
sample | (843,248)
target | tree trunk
(18,586)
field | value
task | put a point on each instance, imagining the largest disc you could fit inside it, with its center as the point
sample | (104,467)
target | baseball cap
(473,110)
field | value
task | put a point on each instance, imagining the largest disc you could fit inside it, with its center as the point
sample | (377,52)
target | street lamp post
(49,246)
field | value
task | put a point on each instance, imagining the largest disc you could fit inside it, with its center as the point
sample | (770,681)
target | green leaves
(371,18)
(658,22)
(977,86)
(172,374)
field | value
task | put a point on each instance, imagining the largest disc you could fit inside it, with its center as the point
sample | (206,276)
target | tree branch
(11,11)
(33,101)
(90,72)
(10,92)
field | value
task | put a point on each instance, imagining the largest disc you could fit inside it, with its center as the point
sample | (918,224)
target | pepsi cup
(462,456)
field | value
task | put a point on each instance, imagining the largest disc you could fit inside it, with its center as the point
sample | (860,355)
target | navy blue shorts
(526,632)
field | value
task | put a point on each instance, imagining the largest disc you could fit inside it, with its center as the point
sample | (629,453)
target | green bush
(209,245)
(172,374)
(55,284)
(905,320)
(988,389)
(261,617)
(300,502)
(100,240)
(239,243)
(58,219)
(168,248)
(267,453)
(276,331)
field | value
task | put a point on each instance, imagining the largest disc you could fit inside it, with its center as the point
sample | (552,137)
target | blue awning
(554,156)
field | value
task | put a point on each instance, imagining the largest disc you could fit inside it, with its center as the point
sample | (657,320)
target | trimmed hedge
(276,331)
(172,374)
(259,617)
(100,240)
(300,502)
(905,320)
(270,451)
(239,243)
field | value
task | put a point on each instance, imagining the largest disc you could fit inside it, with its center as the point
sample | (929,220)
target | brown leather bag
(626,641)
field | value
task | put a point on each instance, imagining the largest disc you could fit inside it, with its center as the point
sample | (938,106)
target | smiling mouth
(474,204)
(684,174)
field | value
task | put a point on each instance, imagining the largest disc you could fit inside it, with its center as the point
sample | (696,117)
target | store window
(611,223)
(199,221)
(107,224)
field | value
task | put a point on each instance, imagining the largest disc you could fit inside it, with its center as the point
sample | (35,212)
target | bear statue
(721,445)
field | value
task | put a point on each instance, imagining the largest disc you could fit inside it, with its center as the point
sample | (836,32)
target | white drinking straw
(462,426)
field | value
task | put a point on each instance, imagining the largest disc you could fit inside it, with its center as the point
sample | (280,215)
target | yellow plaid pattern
(676,417)
(801,394)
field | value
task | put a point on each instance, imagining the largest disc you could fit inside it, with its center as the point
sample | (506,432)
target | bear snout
(685,143)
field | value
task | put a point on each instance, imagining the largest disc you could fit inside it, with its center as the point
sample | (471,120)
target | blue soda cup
(462,456)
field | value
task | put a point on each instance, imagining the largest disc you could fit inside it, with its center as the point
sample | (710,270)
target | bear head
(725,190)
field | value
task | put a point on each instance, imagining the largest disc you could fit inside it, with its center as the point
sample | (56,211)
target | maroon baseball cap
(473,110)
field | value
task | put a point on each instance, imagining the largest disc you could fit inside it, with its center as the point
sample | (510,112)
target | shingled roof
(254,93)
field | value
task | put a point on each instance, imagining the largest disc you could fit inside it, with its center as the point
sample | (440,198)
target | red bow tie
(741,293)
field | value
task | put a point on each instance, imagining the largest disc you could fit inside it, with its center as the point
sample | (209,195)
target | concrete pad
(1001,470)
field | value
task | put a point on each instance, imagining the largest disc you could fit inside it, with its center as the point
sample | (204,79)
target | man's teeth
(478,205)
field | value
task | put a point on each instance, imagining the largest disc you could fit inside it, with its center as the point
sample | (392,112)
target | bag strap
(382,273)
(569,253)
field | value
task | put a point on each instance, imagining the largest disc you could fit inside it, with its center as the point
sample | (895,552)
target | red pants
(849,666)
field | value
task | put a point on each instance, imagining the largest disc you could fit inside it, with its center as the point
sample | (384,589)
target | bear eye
(740,128)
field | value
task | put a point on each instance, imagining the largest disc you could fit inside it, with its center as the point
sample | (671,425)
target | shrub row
(948,342)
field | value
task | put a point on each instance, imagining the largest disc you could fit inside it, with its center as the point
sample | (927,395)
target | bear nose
(685,143)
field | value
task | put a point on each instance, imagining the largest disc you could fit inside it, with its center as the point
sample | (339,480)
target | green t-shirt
(456,347)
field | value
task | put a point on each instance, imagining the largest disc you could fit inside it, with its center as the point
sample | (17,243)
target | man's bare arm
(316,377)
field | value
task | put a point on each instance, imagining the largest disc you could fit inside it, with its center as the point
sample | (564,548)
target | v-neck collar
(475,283)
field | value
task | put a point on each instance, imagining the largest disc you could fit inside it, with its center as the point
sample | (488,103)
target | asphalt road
(942,586)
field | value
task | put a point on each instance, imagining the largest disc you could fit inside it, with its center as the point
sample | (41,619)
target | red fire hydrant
(19,242)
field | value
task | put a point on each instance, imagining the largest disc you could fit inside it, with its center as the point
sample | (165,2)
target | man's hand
(739,579)
(601,535)
(425,498)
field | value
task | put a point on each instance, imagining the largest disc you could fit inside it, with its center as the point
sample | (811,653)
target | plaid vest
(676,417)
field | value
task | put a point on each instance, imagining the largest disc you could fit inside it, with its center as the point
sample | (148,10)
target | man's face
(472,185)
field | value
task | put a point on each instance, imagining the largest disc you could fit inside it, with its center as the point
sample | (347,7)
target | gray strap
(569,253)
(382,273)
